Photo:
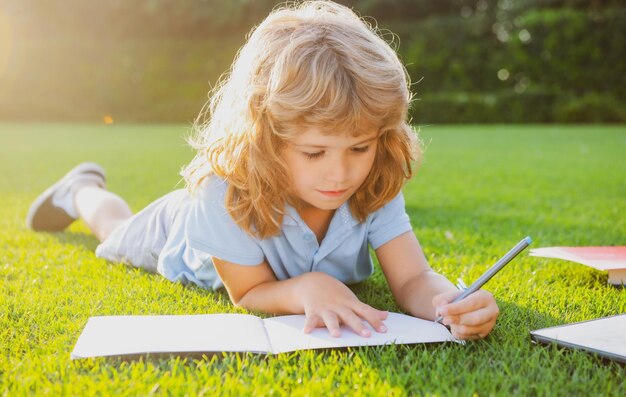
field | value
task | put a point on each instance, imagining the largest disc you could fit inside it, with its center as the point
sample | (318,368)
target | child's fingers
(373,316)
(311,323)
(332,323)
(473,302)
(352,320)
(476,318)
(469,331)
(480,316)
(444,298)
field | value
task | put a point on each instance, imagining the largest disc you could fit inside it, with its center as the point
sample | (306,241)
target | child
(299,169)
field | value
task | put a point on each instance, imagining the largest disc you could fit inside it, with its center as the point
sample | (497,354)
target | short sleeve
(209,227)
(388,222)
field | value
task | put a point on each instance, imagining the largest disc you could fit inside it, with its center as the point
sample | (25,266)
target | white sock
(64,196)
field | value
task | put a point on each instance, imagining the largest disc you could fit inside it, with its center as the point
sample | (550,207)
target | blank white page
(286,335)
(126,335)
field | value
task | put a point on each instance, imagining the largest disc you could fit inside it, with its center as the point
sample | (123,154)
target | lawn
(479,190)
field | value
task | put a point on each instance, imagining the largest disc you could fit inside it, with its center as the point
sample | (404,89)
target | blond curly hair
(312,64)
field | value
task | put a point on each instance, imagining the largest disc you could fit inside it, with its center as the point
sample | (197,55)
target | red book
(611,259)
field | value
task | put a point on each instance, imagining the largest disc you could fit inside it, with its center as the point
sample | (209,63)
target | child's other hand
(330,303)
(471,318)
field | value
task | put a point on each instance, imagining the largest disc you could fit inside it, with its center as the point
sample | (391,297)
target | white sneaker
(54,209)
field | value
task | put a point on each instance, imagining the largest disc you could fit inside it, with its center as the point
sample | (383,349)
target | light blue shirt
(202,228)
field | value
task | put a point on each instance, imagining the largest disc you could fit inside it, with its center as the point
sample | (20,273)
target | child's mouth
(333,193)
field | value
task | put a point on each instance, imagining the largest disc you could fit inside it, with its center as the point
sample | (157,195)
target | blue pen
(482,280)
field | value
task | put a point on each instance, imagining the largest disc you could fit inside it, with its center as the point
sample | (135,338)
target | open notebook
(209,333)
(604,336)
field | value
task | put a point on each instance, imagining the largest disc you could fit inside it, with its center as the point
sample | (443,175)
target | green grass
(479,191)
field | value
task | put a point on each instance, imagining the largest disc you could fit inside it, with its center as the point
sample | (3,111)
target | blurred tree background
(471,61)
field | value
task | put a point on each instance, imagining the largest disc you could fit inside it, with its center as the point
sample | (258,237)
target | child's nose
(337,170)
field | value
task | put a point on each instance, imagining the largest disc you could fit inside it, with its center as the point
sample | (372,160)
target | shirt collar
(342,217)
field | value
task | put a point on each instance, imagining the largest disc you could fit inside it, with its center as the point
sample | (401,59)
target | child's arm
(323,299)
(424,293)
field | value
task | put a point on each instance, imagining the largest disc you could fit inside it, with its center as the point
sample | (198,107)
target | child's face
(326,170)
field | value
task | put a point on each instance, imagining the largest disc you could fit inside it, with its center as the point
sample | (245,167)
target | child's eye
(361,149)
(312,156)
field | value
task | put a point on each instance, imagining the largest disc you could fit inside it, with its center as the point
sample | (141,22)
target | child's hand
(471,318)
(329,303)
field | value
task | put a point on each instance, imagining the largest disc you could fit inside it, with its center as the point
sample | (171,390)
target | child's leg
(101,210)
(80,193)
